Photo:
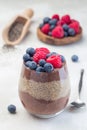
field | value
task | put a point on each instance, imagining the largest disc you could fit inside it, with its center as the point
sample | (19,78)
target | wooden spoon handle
(28,12)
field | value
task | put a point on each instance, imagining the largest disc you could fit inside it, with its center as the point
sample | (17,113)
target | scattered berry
(45,29)
(55,16)
(12,109)
(42,62)
(71,32)
(75,58)
(55,61)
(26,57)
(48,67)
(46,20)
(40,69)
(58,32)
(65,27)
(66,19)
(31,64)
(30,51)
(53,22)
(75,26)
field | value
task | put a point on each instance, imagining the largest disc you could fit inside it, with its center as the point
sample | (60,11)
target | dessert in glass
(44,87)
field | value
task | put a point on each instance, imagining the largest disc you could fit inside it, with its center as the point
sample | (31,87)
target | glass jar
(44,94)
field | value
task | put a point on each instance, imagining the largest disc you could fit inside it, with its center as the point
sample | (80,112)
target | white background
(11,62)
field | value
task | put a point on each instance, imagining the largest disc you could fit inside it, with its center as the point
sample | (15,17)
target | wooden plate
(55,41)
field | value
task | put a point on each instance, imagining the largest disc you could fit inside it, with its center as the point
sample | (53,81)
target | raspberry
(75,26)
(66,19)
(55,16)
(42,49)
(55,60)
(73,20)
(58,32)
(39,55)
(45,29)
(61,22)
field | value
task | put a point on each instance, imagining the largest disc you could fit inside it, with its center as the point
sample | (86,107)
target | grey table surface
(11,60)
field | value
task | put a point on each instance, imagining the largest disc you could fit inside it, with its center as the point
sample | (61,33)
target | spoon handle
(81,81)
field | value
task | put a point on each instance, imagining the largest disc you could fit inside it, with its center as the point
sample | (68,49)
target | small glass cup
(44,94)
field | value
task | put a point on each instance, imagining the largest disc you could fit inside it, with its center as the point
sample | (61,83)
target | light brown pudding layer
(56,41)
(35,106)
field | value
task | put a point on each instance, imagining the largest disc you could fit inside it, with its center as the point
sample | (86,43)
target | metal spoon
(78,103)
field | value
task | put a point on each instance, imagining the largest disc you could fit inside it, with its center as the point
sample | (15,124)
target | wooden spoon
(15,31)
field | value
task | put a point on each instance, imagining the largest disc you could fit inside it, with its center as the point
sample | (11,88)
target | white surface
(11,60)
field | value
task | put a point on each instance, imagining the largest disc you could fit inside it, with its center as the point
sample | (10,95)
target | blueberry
(12,109)
(26,57)
(62,58)
(65,34)
(42,62)
(52,27)
(40,69)
(65,27)
(31,64)
(75,58)
(30,51)
(46,20)
(48,67)
(50,54)
(53,21)
(50,33)
(41,25)
(71,32)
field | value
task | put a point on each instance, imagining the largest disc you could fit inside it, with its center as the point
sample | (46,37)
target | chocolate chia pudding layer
(35,106)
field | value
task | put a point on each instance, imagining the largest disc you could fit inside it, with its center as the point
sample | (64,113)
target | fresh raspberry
(42,49)
(39,55)
(58,32)
(66,19)
(45,29)
(75,26)
(55,16)
(73,20)
(55,60)
(61,22)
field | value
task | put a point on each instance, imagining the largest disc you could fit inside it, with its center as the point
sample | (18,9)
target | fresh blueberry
(62,58)
(50,54)
(50,33)
(52,27)
(53,21)
(71,32)
(46,20)
(41,25)
(12,109)
(26,57)
(42,62)
(31,64)
(48,67)
(30,51)
(65,27)
(75,58)
(40,69)
(65,34)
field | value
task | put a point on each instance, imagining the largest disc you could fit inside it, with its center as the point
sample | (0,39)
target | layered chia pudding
(44,87)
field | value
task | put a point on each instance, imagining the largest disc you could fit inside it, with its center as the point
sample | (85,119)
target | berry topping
(40,69)
(48,67)
(66,34)
(50,33)
(74,58)
(58,32)
(30,51)
(52,27)
(45,50)
(65,27)
(53,22)
(46,20)
(41,25)
(55,61)
(31,64)
(66,19)
(26,57)
(50,54)
(55,16)
(75,26)
(60,23)
(12,109)
(62,58)
(71,32)
(42,62)
(45,29)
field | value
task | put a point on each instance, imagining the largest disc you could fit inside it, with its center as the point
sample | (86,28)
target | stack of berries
(42,60)
(60,27)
